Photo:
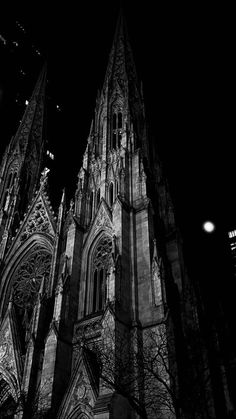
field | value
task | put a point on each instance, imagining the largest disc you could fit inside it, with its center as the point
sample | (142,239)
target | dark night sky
(183,54)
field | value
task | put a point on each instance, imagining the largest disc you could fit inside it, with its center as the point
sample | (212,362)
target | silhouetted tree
(135,363)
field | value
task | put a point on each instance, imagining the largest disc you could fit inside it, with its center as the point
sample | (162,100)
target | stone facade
(107,318)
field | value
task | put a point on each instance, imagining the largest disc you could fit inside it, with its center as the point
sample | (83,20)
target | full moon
(208,226)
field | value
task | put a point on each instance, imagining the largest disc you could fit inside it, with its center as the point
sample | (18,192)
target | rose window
(28,279)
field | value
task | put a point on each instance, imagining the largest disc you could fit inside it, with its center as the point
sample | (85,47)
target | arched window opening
(111,193)
(114,121)
(98,197)
(100,289)
(117,123)
(101,262)
(27,281)
(113,144)
(9,180)
(119,120)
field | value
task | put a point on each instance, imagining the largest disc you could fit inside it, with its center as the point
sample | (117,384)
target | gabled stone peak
(39,218)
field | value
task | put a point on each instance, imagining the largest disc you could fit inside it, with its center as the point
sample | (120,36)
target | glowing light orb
(208,226)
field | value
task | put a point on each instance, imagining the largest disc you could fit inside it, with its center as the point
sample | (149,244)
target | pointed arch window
(28,277)
(114,121)
(111,193)
(119,120)
(31,275)
(98,289)
(117,124)
(113,143)
(9,180)
(101,263)
(95,288)
(101,290)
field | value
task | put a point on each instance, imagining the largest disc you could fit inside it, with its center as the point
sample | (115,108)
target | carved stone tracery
(102,220)
(7,351)
(28,277)
(102,255)
(38,222)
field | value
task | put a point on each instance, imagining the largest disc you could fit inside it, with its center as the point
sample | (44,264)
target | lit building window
(232,233)
(232,243)
(50,155)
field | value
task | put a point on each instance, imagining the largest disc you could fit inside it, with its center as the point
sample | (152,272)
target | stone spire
(121,66)
(121,94)
(29,141)
(31,127)
(22,164)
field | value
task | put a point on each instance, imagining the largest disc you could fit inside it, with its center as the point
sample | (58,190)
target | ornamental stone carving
(102,254)
(37,222)
(102,220)
(87,331)
(7,358)
(82,392)
(28,278)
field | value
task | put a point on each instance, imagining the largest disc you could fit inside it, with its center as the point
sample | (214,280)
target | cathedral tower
(21,164)
(98,316)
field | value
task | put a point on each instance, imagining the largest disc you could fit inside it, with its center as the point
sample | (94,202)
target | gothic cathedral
(98,318)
